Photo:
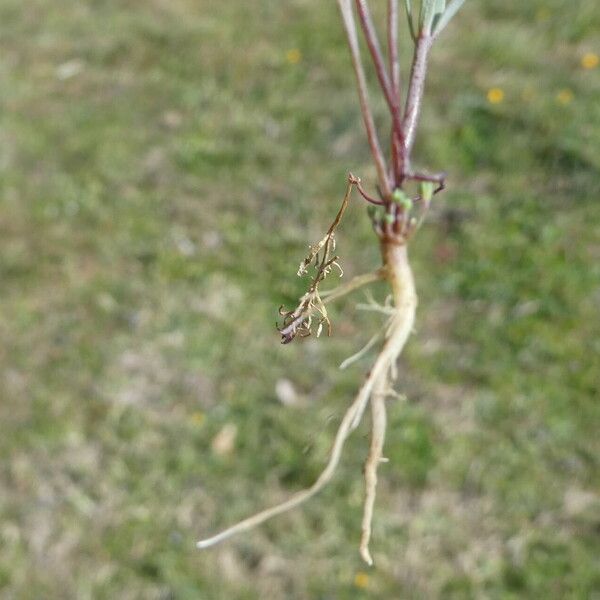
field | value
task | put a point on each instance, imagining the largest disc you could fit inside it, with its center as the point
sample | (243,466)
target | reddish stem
(396,142)
(389,89)
(393,45)
(415,94)
(363,95)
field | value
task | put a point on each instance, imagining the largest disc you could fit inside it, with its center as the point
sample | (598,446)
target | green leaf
(426,191)
(424,9)
(400,197)
(431,13)
(429,10)
(438,13)
(449,13)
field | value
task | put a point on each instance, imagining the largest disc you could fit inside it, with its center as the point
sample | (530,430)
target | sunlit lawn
(163,166)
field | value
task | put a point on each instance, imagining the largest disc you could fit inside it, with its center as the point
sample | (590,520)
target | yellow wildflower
(495,95)
(293,56)
(361,580)
(565,97)
(590,60)
(198,418)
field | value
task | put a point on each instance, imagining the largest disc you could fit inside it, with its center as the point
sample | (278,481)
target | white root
(358,355)
(405,298)
(354,284)
(378,427)
(344,430)
(373,389)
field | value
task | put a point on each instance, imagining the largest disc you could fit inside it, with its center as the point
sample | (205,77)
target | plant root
(378,427)
(374,390)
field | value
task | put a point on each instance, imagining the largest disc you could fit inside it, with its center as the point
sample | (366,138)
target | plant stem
(401,280)
(399,274)
(415,94)
(366,21)
(389,89)
(397,142)
(363,95)
(393,45)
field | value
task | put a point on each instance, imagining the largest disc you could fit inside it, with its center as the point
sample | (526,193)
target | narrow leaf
(425,12)
(432,11)
(438,11)
(452,9)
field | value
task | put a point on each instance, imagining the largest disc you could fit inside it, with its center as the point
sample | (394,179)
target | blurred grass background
(163,166)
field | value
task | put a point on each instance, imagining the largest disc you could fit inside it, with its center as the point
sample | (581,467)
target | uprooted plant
(397,210)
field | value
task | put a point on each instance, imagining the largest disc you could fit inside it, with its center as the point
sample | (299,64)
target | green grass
(162,169)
